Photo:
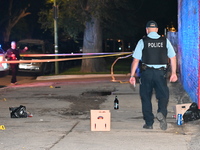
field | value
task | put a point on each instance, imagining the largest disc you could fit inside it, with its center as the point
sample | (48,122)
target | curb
(79,76)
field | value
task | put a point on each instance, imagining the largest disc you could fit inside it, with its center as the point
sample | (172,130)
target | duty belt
(144,67)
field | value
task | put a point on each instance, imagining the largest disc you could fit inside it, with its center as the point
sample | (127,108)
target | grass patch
(122,66)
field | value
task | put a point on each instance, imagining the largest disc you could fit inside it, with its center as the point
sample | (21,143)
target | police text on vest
(157,44)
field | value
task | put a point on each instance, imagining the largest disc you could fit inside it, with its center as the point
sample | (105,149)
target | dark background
(164,12)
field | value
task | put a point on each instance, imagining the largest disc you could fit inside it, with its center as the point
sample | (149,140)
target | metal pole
(56,36)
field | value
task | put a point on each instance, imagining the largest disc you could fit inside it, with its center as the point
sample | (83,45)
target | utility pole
(55,8)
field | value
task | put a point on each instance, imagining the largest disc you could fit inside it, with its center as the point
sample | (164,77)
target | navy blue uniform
(153,51)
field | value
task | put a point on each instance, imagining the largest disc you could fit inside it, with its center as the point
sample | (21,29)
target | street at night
(61,117)
(99,75)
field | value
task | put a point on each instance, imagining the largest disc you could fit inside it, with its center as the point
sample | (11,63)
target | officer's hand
(132,80)
(173,78)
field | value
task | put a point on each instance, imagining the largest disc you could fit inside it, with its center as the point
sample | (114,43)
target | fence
(188,47)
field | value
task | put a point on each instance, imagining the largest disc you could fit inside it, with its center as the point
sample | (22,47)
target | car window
(32,48)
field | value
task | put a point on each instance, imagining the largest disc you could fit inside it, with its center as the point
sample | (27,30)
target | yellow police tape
(63,59)
(112,71)
(84,56)
(2,127)
(70,54)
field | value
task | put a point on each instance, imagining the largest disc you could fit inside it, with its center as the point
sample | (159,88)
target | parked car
(36,46)
(4,67)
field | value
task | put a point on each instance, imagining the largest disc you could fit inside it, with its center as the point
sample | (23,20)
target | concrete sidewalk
(126,128)
(51,131)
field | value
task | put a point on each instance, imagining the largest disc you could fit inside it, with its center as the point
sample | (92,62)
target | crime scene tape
(112,72)
(85,56)
(69,54)
(63,59)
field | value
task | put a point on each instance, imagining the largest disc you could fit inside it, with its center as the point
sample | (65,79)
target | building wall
(188,46)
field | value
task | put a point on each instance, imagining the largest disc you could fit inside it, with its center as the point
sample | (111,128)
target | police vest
(155,51)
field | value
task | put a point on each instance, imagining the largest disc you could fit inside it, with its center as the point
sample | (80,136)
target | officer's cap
(151,24)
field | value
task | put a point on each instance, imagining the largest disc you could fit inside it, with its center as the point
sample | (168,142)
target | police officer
(154,52)
(14,54)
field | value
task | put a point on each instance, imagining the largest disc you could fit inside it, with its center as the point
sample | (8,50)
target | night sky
(164,12)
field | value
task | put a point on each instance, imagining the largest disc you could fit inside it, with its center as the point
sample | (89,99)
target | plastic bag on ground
(193,113)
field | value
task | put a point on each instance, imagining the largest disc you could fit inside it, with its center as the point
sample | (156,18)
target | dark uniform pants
(153,79)
(14,70)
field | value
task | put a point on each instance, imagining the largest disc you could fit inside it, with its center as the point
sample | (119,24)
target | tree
(103,14)
(11,13)
(93,43)
(92,39)
(82,16)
